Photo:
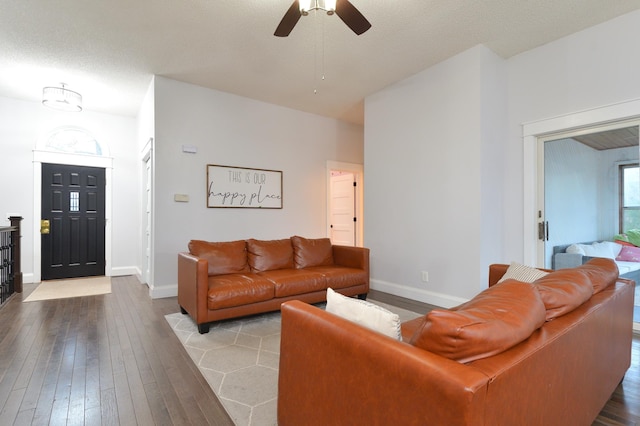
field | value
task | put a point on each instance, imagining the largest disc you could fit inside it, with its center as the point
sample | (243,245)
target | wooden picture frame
(241,187)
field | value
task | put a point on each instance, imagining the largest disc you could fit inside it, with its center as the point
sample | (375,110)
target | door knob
(44,226)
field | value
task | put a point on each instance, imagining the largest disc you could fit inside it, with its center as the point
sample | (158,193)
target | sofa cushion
(223,257)
(523,273)
(270,255)
(230,290)
(564,290)
(291,282)
(364,313)
(495,320)
(601,271)
(341,276)
(311,252)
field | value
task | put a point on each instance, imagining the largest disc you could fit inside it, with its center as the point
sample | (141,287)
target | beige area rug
(75,287)
(239,358)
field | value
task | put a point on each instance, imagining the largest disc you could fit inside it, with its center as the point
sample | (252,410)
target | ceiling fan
(343,8)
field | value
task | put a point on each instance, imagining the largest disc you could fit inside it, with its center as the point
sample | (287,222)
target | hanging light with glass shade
(61,98)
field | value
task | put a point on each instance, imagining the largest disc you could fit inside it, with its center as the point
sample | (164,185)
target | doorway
(72,221)
(579,186)
(344,203)
(44,154)
(343,208)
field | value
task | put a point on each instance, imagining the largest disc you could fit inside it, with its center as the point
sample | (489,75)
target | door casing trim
(41,156)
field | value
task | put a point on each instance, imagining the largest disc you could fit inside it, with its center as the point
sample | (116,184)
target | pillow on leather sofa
(601,271)
(495,320)
(311,252)
(223,257)
(364,313)
(523,273)
(270,255)
(564,290)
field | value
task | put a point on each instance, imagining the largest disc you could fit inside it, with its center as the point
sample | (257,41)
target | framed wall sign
(243,188)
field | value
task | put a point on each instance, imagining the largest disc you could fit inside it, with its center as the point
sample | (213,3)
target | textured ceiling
(108,50)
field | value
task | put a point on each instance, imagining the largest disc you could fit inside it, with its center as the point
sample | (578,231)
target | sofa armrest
(333,371)
(193,286)
(353,257)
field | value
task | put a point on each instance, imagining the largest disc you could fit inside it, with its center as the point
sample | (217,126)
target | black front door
(73,203)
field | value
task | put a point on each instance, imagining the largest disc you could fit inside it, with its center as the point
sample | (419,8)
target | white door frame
(533,131)
(358,172)
(540,206)
(39,157)
(147,219)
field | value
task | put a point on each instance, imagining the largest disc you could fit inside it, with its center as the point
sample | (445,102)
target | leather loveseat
(335,372)
(220,280)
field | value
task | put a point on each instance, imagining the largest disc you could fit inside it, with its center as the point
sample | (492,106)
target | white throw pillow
(607,249)
(576,249)
(519,272)
(364,313)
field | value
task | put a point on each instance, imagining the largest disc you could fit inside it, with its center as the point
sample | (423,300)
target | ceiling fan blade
(352,16)
(289,20)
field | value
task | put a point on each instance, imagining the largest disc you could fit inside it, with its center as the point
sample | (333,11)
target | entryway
(67,147)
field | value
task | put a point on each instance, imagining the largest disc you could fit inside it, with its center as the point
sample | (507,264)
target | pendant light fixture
(62,99)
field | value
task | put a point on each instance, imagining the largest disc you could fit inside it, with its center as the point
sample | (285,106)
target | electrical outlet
(425,276)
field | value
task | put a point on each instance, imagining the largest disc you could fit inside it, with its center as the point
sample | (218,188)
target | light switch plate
(181,198)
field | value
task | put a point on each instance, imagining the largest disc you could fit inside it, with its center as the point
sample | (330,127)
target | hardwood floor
(113,359)
(109,359)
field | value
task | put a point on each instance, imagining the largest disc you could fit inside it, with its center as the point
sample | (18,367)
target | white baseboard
(163,291)
(124,270)
(438,299)
(27,278)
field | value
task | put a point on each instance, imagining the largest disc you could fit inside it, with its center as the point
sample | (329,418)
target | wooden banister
(10,268)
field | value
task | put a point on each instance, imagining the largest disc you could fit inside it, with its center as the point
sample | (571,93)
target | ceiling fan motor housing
(328,6)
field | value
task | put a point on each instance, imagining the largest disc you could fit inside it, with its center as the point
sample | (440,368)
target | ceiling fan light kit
(343,8)
(328,6)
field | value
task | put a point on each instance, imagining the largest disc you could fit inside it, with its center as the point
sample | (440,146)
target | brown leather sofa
(335,372)
(220,280)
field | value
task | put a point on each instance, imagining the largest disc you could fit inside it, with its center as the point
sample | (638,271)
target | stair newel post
(15,242)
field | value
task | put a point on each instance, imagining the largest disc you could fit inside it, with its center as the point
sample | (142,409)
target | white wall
(427,137)
(235,131)
(23,124)
(432,160)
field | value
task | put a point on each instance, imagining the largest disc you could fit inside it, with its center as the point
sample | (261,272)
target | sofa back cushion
(224,257)
(270,255)
(311,252)
(495,320)
(564,290)
(601,271)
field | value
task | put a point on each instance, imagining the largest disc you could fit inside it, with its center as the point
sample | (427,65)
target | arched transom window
(73,140)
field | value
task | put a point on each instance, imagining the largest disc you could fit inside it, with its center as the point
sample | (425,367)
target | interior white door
(343,215)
